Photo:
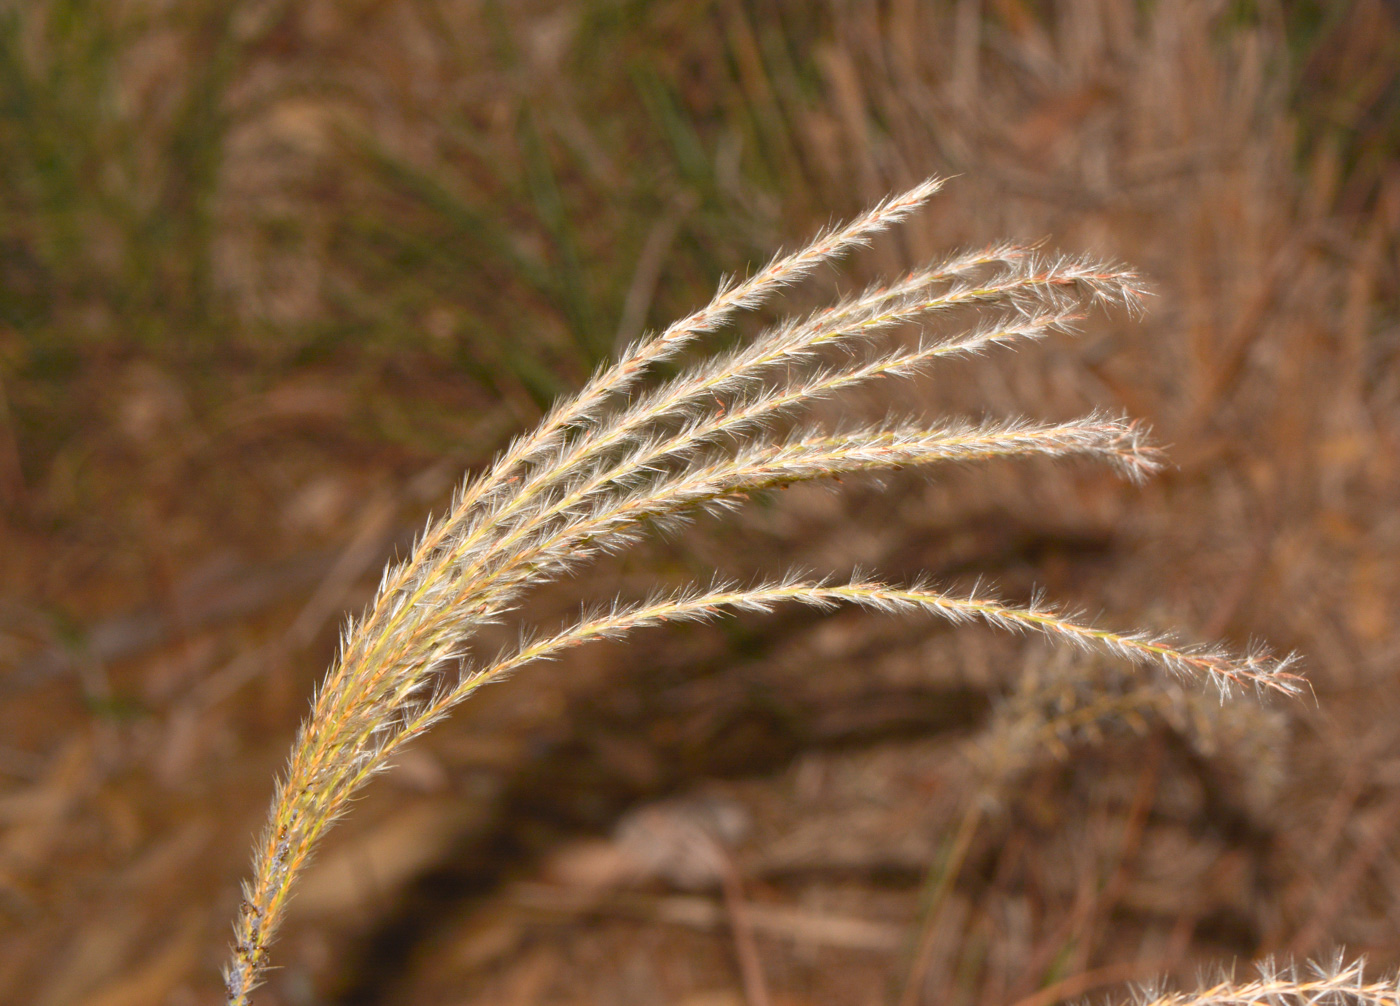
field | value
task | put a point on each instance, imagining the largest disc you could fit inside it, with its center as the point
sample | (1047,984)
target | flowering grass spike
(622,456)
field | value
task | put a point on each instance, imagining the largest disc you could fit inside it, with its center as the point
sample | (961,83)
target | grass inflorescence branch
(1316,984)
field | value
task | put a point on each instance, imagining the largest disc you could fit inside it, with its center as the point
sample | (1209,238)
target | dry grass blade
(599,470)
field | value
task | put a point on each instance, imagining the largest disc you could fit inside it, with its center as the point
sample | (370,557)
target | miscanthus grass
(1336,983)
(632,451)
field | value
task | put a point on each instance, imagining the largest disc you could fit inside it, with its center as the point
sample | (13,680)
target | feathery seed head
(612,461)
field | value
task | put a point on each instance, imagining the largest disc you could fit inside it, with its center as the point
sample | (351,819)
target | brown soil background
(275,274)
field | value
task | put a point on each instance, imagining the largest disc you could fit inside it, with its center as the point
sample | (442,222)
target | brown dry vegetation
(273,274)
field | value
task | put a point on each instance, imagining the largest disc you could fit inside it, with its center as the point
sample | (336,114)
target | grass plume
(614,460)
(1333,984)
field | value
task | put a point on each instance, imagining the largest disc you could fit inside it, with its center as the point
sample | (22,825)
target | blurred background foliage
(224,191)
